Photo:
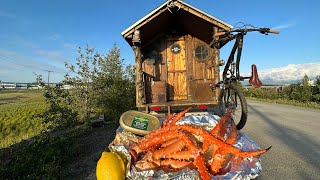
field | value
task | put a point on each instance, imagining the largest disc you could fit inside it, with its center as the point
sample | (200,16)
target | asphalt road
(293,132)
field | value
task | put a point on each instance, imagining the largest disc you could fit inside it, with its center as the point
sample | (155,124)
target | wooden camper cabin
(174,63)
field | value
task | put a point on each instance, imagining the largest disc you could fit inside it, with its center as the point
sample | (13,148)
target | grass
(19,115)
(27,149)
(313,105)
(42,157)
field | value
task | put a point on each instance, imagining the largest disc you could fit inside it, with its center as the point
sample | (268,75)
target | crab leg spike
(221,123)
(165,122)
(252,153)
(178,117)
(181,155)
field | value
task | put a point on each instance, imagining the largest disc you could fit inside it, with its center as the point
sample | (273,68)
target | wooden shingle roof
(178,16)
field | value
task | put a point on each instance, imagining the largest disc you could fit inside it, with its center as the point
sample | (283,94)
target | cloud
(17,61)
(283,26)
(291,72)
(18,67)
(52,55)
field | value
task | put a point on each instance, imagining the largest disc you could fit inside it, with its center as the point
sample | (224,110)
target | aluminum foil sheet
(248,168)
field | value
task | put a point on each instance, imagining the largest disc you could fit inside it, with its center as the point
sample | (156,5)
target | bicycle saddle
(254,79)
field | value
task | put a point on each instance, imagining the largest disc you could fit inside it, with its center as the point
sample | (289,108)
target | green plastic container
(138,122)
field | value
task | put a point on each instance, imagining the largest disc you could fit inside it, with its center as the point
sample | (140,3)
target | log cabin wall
(154,69)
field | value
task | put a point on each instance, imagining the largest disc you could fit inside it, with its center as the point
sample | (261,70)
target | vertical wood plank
(177,79)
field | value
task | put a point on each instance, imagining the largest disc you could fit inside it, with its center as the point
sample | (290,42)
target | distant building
(275,88)
(67,86)
(21,85)
(8,85)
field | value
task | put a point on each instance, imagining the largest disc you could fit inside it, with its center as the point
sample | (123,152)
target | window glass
(175,48)
(202,52)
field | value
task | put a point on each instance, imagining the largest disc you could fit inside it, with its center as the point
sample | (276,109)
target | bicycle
(231,95)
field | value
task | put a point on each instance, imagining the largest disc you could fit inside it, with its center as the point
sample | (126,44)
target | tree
(302,92)
(115,85)
(59,112)
(40,81)
(316,90)
(101,84)
(306,94)
(317,80)
(84,72)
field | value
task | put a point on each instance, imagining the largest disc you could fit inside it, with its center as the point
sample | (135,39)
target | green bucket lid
(138,122)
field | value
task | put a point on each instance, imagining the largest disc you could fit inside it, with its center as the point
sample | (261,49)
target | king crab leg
(165,151)
(222,124)
(176,146)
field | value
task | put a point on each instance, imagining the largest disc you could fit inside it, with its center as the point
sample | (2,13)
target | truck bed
(178,105)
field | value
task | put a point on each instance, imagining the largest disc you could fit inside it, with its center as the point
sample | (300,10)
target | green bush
(59,112)
(101,84)
(301,94)
(261,93)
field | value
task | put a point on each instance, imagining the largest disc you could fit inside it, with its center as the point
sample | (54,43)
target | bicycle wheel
(233,98)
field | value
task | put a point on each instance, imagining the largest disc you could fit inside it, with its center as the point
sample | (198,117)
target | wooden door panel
(181,90)
(200,73)
(171,83)
(177,78)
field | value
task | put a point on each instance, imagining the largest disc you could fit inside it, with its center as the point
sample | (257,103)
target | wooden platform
(178,105)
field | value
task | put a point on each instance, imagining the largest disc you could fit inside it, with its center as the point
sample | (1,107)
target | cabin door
(177,71)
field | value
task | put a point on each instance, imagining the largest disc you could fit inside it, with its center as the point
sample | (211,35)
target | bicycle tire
(232,97)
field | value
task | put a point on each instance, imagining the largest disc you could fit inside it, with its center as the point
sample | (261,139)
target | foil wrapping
(247,168)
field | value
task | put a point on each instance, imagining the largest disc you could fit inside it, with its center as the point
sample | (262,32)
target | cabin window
(202,52)
(175,48)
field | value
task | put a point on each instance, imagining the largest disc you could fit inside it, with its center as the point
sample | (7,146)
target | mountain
(290,74)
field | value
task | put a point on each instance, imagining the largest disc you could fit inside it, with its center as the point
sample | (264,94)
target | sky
(38,36)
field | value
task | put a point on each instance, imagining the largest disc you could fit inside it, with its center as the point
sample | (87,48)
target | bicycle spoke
(232,100)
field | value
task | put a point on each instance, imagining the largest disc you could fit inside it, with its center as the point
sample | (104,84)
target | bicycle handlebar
(219,34)
(274,31)
(245,30)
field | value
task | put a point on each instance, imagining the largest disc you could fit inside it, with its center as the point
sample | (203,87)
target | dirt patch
(12,98)
(91,147)
(9,100)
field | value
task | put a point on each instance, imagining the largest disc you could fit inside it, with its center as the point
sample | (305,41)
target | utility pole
(49,77)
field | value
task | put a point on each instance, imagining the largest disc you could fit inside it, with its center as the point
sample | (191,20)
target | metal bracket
(170,4)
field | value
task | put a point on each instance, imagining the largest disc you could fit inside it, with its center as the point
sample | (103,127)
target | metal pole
(49,77)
